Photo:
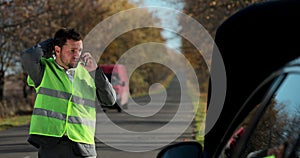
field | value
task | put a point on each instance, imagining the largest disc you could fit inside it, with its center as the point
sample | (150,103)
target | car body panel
(272,123)
(254,42)
(117,75)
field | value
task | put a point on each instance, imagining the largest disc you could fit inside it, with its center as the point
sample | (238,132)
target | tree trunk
(1,84)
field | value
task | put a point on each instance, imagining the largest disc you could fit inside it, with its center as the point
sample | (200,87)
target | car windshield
(277,131)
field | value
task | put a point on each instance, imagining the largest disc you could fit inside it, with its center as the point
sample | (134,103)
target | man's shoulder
(47,60)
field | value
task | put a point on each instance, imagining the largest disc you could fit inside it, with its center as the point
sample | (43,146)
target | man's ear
(57,49)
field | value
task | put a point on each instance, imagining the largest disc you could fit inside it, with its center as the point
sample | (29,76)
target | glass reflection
(277,133)
(278,130)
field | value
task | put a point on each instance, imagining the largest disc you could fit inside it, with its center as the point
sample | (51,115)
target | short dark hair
(63,34)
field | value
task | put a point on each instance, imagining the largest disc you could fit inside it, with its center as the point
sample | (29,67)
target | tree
(147,74)
(25,23)
(210,14)
(13,18)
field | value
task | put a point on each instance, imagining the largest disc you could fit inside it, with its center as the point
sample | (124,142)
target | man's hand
(47,47)
(88,62)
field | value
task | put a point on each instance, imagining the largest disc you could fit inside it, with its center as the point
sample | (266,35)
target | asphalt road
(149,123)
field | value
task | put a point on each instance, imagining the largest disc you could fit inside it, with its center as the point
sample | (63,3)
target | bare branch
(6,2)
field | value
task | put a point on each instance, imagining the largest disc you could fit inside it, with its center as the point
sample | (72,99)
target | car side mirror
(190,149)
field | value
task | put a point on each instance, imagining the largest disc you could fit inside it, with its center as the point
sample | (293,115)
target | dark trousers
(63,149)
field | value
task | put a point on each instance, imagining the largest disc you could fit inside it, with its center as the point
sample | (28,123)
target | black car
(261,113)
(271,129)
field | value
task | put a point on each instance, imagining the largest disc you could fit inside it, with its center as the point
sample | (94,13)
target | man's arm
(105,92)
(31,60)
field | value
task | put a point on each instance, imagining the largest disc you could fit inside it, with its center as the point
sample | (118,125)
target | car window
(277,132)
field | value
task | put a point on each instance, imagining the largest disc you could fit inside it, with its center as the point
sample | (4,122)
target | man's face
(69,55)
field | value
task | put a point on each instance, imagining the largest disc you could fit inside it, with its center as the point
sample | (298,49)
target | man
(68,84)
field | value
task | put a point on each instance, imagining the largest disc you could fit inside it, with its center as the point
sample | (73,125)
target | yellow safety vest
(64,107)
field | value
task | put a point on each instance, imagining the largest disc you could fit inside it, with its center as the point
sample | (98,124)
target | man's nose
(77,54)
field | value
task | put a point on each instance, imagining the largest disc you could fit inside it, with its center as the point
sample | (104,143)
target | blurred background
(24,23)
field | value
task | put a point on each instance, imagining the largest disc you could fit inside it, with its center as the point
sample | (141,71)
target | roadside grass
(15,106)
(6,123)
(200,104)
(200,121)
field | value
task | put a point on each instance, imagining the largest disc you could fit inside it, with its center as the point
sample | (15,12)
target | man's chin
(74,65)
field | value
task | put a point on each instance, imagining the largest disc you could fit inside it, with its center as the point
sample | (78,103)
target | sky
(288,93)
(173,41)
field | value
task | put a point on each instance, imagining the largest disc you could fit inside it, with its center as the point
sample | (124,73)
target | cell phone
(83,61)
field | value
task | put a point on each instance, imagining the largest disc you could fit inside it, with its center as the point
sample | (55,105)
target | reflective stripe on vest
(56,115)
(65,107)
(64,95)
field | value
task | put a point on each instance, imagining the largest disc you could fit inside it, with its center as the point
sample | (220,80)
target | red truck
(117,75)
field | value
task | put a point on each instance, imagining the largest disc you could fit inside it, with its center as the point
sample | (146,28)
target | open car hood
(253,43)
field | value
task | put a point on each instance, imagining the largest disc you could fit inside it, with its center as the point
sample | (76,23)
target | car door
(272,127)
